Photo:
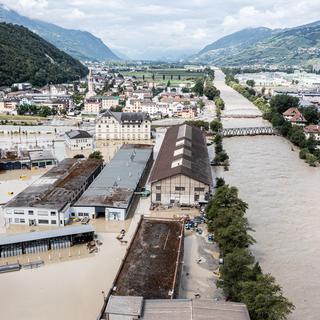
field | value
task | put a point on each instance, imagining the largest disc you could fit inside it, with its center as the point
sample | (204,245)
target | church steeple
(91,92)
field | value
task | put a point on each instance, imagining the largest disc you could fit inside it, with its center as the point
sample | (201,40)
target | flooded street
(283,197)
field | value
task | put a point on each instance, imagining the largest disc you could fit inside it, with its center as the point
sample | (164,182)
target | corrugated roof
(188,309)
(193,163)
(116,183)
(40,235)
(58,186)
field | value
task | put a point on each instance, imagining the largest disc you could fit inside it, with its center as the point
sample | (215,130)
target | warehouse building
(131,308)
(40,241)
(47,201)
(182,173)
(112,194)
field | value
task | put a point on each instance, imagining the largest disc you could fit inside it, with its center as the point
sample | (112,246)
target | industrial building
(112,194)
(47,201)
(132,308)
(182,174)
(23,159)
(40,241)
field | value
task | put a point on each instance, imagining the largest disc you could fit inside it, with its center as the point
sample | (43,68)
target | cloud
(154,28)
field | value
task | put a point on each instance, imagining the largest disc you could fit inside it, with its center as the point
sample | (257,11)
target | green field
(176,76)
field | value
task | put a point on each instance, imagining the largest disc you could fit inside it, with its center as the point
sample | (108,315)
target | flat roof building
(39,241)
(131,308)
(112,194)
(47,201)
(182,173)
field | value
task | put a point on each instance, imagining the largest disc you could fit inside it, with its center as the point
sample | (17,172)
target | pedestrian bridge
(250,131)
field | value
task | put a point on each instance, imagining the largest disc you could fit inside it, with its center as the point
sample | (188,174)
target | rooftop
(150,268)
(183,151)
(175,309)
(58,186)
(78,134)
(128,117)
(39,235)
(118,180)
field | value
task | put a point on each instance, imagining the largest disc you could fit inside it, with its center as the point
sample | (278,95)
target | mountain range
(292,46)
(26,57)
(80,44)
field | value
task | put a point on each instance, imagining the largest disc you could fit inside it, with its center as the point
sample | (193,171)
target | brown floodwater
(283,197)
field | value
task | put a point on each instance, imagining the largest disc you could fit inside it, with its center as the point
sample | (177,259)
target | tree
(264,299)
(311,114)
(79,156)
(203,125)
(199,87)
(237,267)
(215,125)
(283,102)
(296,136)
(96,155)
(250,83)
(220,182)
(168,83)
(210,91)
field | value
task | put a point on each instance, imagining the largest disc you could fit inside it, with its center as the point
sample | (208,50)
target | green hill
(294,46)
(25,57)
(81,45)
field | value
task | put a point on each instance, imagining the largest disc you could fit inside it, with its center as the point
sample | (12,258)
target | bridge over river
(249,131)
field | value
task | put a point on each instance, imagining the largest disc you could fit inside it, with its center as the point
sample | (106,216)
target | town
(163,187)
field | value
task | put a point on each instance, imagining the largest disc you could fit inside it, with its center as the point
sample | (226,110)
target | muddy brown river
(284,205)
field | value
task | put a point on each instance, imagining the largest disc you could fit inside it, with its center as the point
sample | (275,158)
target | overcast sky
(157,28)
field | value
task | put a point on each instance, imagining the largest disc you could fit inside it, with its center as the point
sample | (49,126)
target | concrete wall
(192,192)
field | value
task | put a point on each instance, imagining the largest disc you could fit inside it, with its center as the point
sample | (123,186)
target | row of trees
(33,110)
(241,277)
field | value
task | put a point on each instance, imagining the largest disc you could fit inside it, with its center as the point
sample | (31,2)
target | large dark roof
(128,117)
(183,151)
(78,134)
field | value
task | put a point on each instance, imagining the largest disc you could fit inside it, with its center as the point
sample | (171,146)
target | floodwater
(283,197)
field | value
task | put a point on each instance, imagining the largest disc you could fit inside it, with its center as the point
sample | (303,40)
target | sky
(149,29)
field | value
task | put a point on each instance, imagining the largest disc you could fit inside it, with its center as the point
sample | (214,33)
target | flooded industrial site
(283,197)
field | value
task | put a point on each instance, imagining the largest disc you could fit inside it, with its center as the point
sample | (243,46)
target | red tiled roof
(312,128)
(295,115)
(291,112)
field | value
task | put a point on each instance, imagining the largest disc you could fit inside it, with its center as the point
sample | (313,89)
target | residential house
(109,102)
(312,130)
(294,116)
(92,105)
(79,140)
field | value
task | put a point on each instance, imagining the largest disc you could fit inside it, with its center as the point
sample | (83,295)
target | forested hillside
(26,57)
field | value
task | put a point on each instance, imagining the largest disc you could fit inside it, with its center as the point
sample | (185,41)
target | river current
(284,204)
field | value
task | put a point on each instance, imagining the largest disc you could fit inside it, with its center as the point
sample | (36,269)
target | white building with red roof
(312,130)
(294,116)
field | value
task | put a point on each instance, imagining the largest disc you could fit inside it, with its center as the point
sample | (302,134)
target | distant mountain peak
(291,46)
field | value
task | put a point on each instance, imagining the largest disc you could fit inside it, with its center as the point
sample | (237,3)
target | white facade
(109,102)
(80,143)
(36,216)
(111,127)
